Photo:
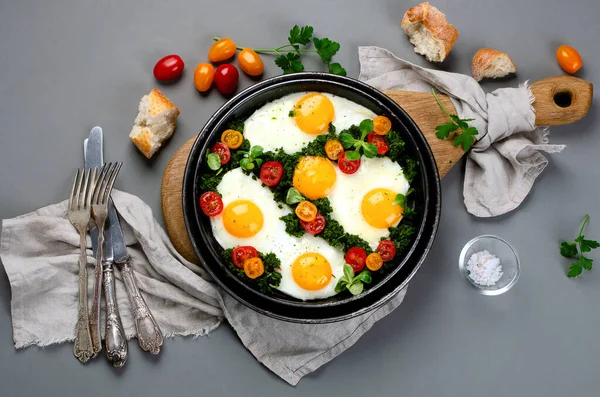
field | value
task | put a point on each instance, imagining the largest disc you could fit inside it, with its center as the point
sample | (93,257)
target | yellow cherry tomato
(204,76)
(568,58)
(374,261)
(254,267)
(232,139)
(306,211)
(250,62)
(382,125)
(333,149)
(222,49)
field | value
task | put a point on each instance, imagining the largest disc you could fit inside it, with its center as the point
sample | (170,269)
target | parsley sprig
(289,55)
(465,138)
(575,249)
(348,141)
(353,284)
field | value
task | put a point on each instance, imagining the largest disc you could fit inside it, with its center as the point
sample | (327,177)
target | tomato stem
(277,50)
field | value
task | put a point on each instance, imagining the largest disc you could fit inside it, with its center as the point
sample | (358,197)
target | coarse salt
(484,268)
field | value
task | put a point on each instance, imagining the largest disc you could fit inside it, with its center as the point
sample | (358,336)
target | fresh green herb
(317,146)
(289,55)
(292,113)
(267,281)
(466,138)
(289,162)
(252,158)
(575,249)
(400,200)
(293,196)
(353,284)
(292,225)
(213,161)
(237,125)
(349,141)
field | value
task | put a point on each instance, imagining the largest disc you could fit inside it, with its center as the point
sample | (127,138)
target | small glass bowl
(509,260)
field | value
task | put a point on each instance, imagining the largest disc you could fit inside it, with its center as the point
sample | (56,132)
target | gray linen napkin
(505,161)
(40,251)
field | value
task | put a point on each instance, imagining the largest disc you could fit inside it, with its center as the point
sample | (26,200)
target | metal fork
(79,215)
(102,191)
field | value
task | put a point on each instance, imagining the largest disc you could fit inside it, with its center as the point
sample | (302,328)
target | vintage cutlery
(79,215)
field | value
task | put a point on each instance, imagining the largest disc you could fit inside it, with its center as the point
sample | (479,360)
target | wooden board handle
(561,100)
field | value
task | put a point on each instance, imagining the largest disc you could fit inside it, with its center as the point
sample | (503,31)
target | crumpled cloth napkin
(40,252)
(506,159)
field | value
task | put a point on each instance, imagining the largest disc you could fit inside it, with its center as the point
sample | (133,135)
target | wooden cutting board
(558,100)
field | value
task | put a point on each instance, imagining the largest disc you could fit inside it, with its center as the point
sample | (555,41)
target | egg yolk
(314,177)
(378,208)
(242,218)
(311,271)
(313,113)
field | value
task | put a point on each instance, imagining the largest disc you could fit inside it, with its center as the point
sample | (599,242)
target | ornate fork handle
(83,349)
(149,335)
(116,341)
(95,315)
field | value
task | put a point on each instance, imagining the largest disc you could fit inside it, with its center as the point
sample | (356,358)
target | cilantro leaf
(575,270)
(568,250)
(353,155)
(300,35)
(586,262)
(326,48)
(462,123)
(575,249)
(347,140)
(336,68)
(369,149)
(289,63)
(443,131)
(587,245)
(466,138)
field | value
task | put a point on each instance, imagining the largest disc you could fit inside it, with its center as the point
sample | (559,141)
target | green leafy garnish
(292,113)
(213,161)
(288,55)
(400,200)
(575,249)
(251,158)
(267,281)
(348,141)
(466,138)
(293,196)
(353,284)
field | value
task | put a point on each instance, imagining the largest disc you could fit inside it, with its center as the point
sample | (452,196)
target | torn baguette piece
(155,122)
(429,31)
(488,62)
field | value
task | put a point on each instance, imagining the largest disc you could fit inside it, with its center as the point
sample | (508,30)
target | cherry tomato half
(382,125)
(168,68)
(306,211)
(222,151)
(379,141)
(374,261)
(254,267)
(316,226)
(240,254)
(250,62)
(271,173)
(232,139)
(356,257)
(333,149)
(568,59)
(211,203)
(204,76)
(221,50)
(226,78)
(348,166)
(387,250)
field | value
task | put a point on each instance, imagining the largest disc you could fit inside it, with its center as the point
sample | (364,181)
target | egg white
(349,190)
(272,128)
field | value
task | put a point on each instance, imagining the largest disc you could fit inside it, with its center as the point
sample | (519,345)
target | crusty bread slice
(155,122)
(429,31)
(488,62)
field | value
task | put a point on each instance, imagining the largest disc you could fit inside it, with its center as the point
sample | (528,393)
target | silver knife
(149,335)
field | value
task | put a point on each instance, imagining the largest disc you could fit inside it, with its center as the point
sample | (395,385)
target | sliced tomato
(254,268)
(271,173)
(379,141)
(356,257)
(387,250)
(211,203)
(374,261)
(348,166)
(333,149)
(316,226)
(223,151)
(240,254)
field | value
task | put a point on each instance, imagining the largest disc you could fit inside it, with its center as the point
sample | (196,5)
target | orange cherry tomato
(254,267)
(382,125)
(222,49)
(568,58)
(333,149)
(306,211)
(374,261)
(232,139)
(250,62)
(204,76)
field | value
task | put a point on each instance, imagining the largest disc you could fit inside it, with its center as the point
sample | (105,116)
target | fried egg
(310,267)
(314,177)
(293,121)
(363,203)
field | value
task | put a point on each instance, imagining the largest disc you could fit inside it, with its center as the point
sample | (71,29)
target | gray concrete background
(66,66)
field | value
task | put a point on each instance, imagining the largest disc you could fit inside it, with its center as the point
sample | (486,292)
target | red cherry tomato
(379,141)
(223,151)
(168,67)
(271,173)
(226,78)
(316,226)
(356,257)
(211,203)
(568,58)
(240,254)
(387,250)
(348,166)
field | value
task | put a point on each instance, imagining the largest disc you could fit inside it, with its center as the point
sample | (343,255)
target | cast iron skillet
(427,200)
